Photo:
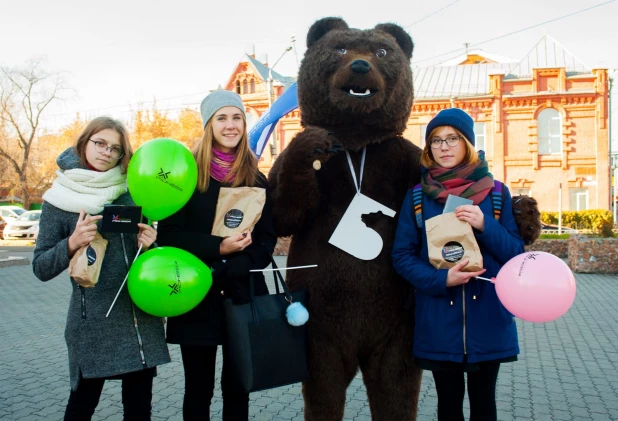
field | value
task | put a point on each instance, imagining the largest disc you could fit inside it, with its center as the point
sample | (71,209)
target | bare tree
(25,94)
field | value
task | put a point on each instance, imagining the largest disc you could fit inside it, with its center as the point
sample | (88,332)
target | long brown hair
(427,160)
(94,127)
(245,166)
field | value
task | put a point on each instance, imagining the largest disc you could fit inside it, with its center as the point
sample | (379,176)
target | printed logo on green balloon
(161,176)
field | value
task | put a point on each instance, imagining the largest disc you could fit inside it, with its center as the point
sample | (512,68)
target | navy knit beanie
(453,117)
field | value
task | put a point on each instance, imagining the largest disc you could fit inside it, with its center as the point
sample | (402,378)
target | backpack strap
(497,197)
(417,199)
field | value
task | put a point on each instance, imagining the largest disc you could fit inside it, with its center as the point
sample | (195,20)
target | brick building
(542,120)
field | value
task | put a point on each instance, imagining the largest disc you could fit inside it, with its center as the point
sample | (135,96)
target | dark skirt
(465,366)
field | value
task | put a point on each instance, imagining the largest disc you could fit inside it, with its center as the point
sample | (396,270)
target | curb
(14,261)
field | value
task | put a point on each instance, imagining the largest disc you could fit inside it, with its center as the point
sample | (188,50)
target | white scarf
(79,189)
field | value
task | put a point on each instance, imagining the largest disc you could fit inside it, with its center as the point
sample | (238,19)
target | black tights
(136,397)
(199,364)
(450,385)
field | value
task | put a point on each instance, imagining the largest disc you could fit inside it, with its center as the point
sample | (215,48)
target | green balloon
(168,281)
(162,176)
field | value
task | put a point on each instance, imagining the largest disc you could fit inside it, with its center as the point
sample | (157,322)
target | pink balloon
(536,286)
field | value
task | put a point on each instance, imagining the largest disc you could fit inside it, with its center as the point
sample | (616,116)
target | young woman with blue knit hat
(460,325)
(224,160)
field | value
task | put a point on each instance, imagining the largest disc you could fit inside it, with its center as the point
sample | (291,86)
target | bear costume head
(356,83)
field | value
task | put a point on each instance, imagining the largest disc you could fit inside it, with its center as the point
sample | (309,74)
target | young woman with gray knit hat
(224,160)
(129,344)
(460,325)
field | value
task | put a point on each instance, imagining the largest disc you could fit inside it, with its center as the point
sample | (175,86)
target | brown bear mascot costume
(355,95)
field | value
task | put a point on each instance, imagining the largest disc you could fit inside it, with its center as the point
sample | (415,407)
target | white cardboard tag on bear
(353,236)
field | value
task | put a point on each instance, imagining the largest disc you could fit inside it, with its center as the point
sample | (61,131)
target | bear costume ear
(321,27)
(403,39)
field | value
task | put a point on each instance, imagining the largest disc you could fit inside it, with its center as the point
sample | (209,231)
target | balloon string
(123,282)
(484,279)
(283,269)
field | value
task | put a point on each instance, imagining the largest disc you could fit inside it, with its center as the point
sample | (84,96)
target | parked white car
(25,227)
(553,229)
(10,213)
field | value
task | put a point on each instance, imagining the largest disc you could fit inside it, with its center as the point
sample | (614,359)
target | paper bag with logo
(449,241)
(85,266)
(238,210)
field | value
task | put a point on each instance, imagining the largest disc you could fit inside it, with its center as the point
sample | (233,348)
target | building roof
(454,81)
(549,53)
(448,80)
(488,58)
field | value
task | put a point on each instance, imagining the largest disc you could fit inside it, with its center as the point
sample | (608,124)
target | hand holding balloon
(457,277)
(146,236)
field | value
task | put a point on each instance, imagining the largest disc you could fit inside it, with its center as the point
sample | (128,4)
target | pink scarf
(221,165)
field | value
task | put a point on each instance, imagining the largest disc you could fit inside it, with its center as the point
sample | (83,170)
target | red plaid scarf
(472,182)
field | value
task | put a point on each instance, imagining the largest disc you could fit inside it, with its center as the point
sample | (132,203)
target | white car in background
(10,213)
(25,227)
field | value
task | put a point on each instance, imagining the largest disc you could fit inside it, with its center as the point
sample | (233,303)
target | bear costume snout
(357,80)
(360,66)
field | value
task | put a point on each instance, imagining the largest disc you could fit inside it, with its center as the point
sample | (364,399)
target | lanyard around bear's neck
(362,166)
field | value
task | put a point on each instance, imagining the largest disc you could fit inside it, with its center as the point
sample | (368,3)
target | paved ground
(567,369)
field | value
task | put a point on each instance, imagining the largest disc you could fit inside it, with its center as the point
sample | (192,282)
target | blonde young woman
(224,160)
(460,325)
(129,344)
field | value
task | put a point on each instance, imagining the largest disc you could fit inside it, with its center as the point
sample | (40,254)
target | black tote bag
(263,349)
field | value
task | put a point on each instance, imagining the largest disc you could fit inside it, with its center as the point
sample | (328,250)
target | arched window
(252,86)
(549,131)
(238,87)
(244,87)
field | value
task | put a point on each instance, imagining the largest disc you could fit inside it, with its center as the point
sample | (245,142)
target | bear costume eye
(381,53)
(342,50)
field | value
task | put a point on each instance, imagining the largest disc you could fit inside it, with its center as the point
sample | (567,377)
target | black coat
(190,229)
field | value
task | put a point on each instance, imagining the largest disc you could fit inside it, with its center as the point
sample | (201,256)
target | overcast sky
(120,52)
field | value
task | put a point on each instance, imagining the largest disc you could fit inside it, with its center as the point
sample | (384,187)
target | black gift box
(121,218)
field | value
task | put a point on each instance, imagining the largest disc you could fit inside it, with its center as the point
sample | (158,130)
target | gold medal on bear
(317,165)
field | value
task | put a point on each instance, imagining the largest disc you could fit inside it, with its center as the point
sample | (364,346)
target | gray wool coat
(128,340)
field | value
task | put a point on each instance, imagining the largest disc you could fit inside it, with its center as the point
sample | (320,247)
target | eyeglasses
(451,141)
(115,152)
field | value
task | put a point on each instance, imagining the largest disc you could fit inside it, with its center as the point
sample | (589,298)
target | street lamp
(269,82)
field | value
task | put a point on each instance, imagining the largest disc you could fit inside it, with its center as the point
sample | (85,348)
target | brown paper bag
(449,241)
(238,210)
(85,266)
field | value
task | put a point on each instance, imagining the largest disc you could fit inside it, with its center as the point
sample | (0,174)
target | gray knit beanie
(217,100)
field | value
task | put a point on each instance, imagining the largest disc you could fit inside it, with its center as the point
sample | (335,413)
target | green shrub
(555,236)
(594,220)
(606,229)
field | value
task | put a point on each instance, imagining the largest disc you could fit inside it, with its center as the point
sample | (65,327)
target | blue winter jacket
(466,319)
